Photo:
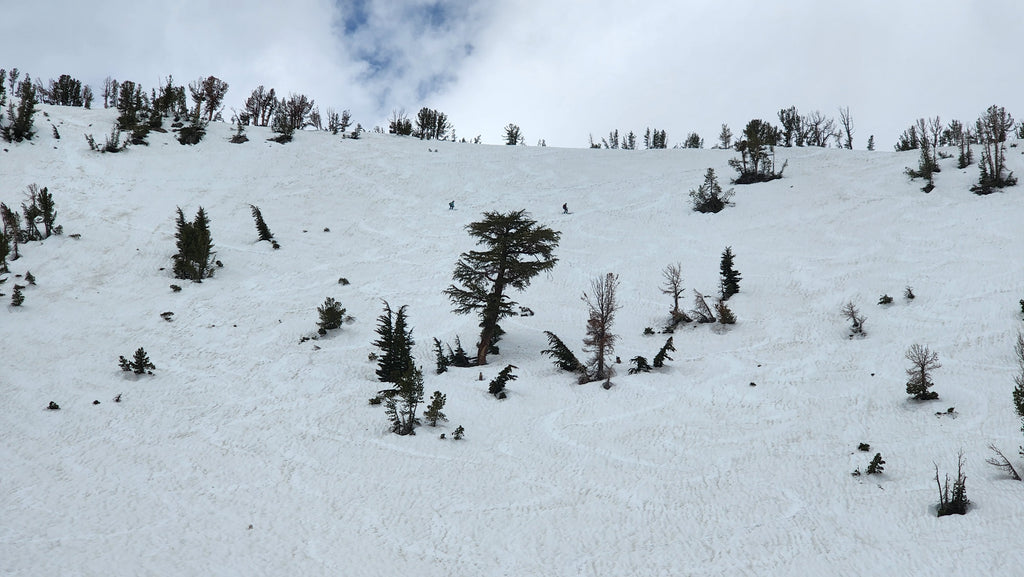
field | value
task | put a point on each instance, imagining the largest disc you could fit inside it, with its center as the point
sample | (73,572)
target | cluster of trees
(18,126)
(990,131)
(16,230)
(814,129)
(652,139)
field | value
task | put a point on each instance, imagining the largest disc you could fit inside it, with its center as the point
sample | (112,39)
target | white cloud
(559,69)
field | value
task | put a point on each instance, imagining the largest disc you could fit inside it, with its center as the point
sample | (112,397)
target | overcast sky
(559,69)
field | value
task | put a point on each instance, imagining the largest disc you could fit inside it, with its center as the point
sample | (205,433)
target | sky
(561,70)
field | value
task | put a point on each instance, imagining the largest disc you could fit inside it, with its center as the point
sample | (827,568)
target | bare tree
(599,340)
(208,96)
(819,129)
(924,361)
(847,122)
(853,314)
(1001,462)
(673,275)
(110,89)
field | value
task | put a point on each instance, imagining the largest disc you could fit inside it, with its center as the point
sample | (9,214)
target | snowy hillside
(250,453)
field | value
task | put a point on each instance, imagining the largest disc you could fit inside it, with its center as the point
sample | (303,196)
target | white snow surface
(250,453)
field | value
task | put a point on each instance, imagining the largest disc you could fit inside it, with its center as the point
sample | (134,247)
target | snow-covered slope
(250,453)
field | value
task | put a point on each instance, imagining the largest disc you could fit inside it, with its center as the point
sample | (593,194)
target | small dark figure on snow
(451,205)
(565,208)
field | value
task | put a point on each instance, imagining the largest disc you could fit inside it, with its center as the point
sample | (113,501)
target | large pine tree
(395,343)
(194,260)
(516,250)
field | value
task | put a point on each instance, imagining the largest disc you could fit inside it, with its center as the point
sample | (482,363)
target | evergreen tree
(12,228)
(709,196)
(433,413)
(730,279)
(441,358)
(512,134)
(725,315)
(725,138)
(261,226)
(5,250)
(876,466)
(194,260)
(458,357)
(640,365)
(20,118)
(757,153)
(139,364)
(395,343)
(516,250)
(400,403)
(497,385)
(871,142)
(17,297)
(693,140)
(332,316)
(662,356)
(47,210)
(562,356)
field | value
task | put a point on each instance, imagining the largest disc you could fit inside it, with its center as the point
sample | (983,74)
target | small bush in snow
(876,466)
(332,315)
(458,433)
(885,300)
(139,364)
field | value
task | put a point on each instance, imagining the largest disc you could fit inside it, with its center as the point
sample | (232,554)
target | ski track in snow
(688,470)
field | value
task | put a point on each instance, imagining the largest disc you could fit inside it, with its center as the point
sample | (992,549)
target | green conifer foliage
(730,279)
(433,413)
(194,260)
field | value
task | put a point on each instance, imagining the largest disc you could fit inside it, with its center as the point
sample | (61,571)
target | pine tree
(21,117)
(400,403)
(497,385)
(725,315)
(662,356)
(640,365)
(709,196)
(332,316)
(459,357)
(517,249)
(139,364)
(433,413)
(194,260)
(871,142)
(5,249)
(562,356)
(17,297)
(261,226)
(730,279)
(12,228)
(47,210)
(876,466)
(395,343)
(441,358)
